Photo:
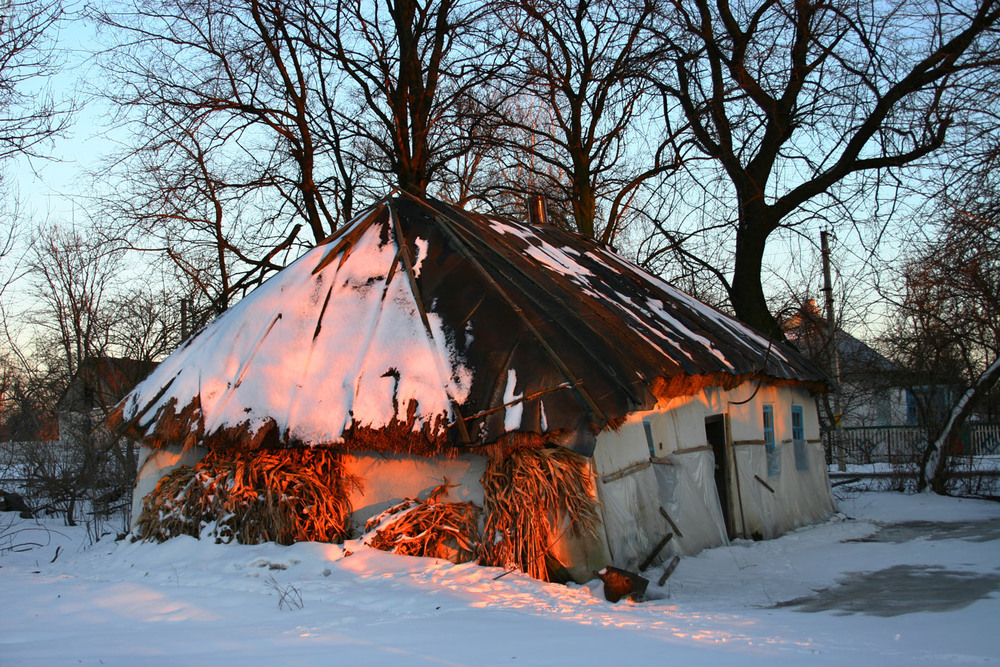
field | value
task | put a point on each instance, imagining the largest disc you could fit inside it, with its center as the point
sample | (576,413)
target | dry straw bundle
(533,496)
(284,496)
(428,527)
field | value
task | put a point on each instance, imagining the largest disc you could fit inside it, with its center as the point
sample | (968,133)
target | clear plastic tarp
(636,506)
(631,517)
(799,495)
(690,499)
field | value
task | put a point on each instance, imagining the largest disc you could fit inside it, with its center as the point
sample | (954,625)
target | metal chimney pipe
(537,215)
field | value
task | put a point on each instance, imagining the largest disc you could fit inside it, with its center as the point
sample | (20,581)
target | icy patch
(900,589)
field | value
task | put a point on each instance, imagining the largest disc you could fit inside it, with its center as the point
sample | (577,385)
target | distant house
(869,393)
(99,384)
(874,390)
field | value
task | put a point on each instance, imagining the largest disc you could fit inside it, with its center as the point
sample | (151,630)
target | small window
(912,410)
(799,439)
(773,460)
(649,438)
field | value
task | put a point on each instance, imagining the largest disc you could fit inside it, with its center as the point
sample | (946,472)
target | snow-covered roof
(425,325)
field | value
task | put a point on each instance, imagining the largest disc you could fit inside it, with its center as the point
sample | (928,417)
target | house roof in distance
(423,326)
(808,329)
(102,381)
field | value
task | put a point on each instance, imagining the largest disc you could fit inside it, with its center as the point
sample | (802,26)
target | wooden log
(669,570)
(656,550)
(766,485)
(671,522)
(634,468)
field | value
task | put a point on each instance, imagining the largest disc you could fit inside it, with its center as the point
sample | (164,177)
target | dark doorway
(715,431)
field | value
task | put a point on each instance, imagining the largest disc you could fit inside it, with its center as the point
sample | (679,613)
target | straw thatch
(534,497)
(283,496)
(430,528)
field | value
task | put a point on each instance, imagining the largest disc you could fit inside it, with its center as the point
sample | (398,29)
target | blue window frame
(769,427)
(799,439)
(648,428)
(773,460)
(912,413)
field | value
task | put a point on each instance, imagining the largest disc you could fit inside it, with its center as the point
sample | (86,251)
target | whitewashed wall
(388,479)
(678,476)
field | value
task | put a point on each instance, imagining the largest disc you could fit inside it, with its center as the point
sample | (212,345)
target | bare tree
(415,69)
(72,279)
(585,126)
(29,114)
(262,124)
(183,202)
(234,160)
(949,326)
(95,334)
(807,109)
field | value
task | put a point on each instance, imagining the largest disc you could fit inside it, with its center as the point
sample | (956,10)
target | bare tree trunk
(747,290)
(934,473)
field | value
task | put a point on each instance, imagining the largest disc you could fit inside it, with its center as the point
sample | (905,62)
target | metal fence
(983,440)
(904,444)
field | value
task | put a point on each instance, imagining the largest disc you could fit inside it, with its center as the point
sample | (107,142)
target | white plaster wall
(387,479)
(157,464)
(799,497)
(680,427)
(619,449)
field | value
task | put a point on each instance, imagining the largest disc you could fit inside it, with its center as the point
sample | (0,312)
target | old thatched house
(520,372)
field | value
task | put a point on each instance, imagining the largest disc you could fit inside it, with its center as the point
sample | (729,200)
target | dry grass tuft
(283,496)
(531,494)
(428,528)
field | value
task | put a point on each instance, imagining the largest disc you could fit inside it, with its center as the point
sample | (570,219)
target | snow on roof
(447,326)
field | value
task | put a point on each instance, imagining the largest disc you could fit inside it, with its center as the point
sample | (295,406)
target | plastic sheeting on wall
(684,486)
(687,491)
(632,521)
(799,497)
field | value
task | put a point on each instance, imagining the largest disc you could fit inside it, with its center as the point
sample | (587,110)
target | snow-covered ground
(921,593)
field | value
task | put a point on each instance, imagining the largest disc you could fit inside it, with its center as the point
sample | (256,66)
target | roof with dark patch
(424,319)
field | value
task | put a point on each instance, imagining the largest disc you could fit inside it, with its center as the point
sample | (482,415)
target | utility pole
(833,349)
